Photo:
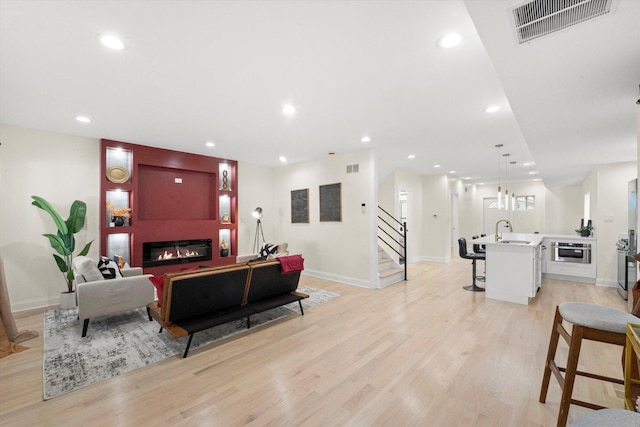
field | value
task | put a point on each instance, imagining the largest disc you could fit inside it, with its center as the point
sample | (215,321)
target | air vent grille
(540,17)
(353,168)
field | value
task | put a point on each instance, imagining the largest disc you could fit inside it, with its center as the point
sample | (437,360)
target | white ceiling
(198,71)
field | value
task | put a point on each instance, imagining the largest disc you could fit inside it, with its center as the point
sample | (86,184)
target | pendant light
(513,194)
(499,147)
(506,184)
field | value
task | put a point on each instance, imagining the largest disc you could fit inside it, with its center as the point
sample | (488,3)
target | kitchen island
(513,266)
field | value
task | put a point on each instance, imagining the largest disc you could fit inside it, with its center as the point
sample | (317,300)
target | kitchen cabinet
(513,267)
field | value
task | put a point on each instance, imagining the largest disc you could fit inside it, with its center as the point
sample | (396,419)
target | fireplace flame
(177,254)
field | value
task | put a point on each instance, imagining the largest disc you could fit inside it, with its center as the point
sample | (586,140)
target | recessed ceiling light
(83,119)
(452,171)
(365,139)
(533,173)
(288,110)
(210,144)
(112,42)
(411,156)
(283,159)
(449,41)
(466,177)
(491,109)
(527,164)
(436,166)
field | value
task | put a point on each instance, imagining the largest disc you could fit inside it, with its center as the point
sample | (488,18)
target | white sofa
(281,250)
(99,297)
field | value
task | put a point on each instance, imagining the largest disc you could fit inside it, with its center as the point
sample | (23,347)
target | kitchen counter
(513,266)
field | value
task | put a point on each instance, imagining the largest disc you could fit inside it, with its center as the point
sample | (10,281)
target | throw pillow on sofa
(87,269)
(268,249)
(109,268)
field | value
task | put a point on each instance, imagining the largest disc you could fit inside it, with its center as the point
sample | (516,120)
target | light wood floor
(422,352)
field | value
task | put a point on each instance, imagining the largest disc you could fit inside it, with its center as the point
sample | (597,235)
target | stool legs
(578,333)
(472,286)
(551,355)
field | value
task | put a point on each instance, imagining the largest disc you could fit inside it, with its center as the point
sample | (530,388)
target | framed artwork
(300,206)
(331,202)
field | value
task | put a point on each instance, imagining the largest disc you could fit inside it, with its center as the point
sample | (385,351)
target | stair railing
(394,231)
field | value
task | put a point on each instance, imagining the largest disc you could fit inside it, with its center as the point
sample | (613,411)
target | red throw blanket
(291,264)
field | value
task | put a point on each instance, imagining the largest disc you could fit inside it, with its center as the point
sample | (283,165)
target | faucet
(499,235)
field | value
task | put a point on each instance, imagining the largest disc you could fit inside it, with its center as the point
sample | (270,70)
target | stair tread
(390,272)
(384,260)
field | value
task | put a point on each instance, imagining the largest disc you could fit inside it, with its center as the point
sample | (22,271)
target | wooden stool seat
(590,322)
(609,417)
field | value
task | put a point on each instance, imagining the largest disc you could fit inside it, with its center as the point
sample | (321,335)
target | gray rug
(121,343)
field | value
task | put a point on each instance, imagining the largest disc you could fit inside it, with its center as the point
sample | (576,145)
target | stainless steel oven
(579,253)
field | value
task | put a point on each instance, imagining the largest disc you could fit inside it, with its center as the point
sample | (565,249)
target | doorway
(492,215)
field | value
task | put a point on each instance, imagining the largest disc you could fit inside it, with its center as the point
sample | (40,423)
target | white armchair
(99,297)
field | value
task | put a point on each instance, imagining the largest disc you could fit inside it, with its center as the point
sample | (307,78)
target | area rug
(121,343)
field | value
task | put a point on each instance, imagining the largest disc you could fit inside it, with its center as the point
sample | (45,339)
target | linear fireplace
(155,254)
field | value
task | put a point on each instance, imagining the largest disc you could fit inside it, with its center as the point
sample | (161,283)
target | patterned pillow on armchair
(108,268)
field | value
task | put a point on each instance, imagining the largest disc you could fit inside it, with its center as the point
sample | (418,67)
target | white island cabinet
(513,266)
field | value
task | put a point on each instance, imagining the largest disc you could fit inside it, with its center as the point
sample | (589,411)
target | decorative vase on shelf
(224,248)
(118,221)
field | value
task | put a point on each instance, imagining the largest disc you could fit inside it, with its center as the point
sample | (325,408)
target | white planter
(67,300)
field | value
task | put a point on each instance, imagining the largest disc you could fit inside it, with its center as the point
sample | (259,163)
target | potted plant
(63,242)
(584,230)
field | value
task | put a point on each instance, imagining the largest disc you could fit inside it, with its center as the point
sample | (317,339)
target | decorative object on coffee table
(64,241)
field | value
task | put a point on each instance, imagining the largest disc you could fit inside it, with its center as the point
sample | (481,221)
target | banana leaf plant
(63,242)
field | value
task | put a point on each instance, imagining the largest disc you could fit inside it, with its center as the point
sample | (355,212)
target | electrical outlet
(608,218)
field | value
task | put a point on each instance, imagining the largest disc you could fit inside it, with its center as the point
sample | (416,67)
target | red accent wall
(163,209)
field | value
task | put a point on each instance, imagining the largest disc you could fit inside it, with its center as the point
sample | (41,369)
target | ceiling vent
(540,17)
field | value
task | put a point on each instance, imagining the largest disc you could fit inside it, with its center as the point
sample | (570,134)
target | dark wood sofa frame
(197,300)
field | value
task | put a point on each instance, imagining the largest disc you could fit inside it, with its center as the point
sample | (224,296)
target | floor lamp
(257,214)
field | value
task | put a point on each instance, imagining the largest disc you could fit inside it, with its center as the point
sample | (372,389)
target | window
(522,203)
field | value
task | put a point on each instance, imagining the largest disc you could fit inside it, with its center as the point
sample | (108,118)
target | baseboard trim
(35,304)
(338,278)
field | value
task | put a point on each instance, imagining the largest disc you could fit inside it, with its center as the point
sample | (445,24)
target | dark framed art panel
(331,202)
(300,206)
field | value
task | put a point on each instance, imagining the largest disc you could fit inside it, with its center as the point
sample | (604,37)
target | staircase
(389,272)
(391,230)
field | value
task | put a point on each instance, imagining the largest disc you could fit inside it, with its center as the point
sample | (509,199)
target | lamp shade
(257,213)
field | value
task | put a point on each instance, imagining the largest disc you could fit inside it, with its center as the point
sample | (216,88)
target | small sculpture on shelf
(118,214)
(224,248)
(225,180)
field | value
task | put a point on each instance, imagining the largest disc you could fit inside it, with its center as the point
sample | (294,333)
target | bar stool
(462,245)
(480,249)
(590,322)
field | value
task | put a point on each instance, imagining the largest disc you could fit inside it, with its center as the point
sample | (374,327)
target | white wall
(336,250)
(564,209)
(255,189)
(61,169)
(610,218)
